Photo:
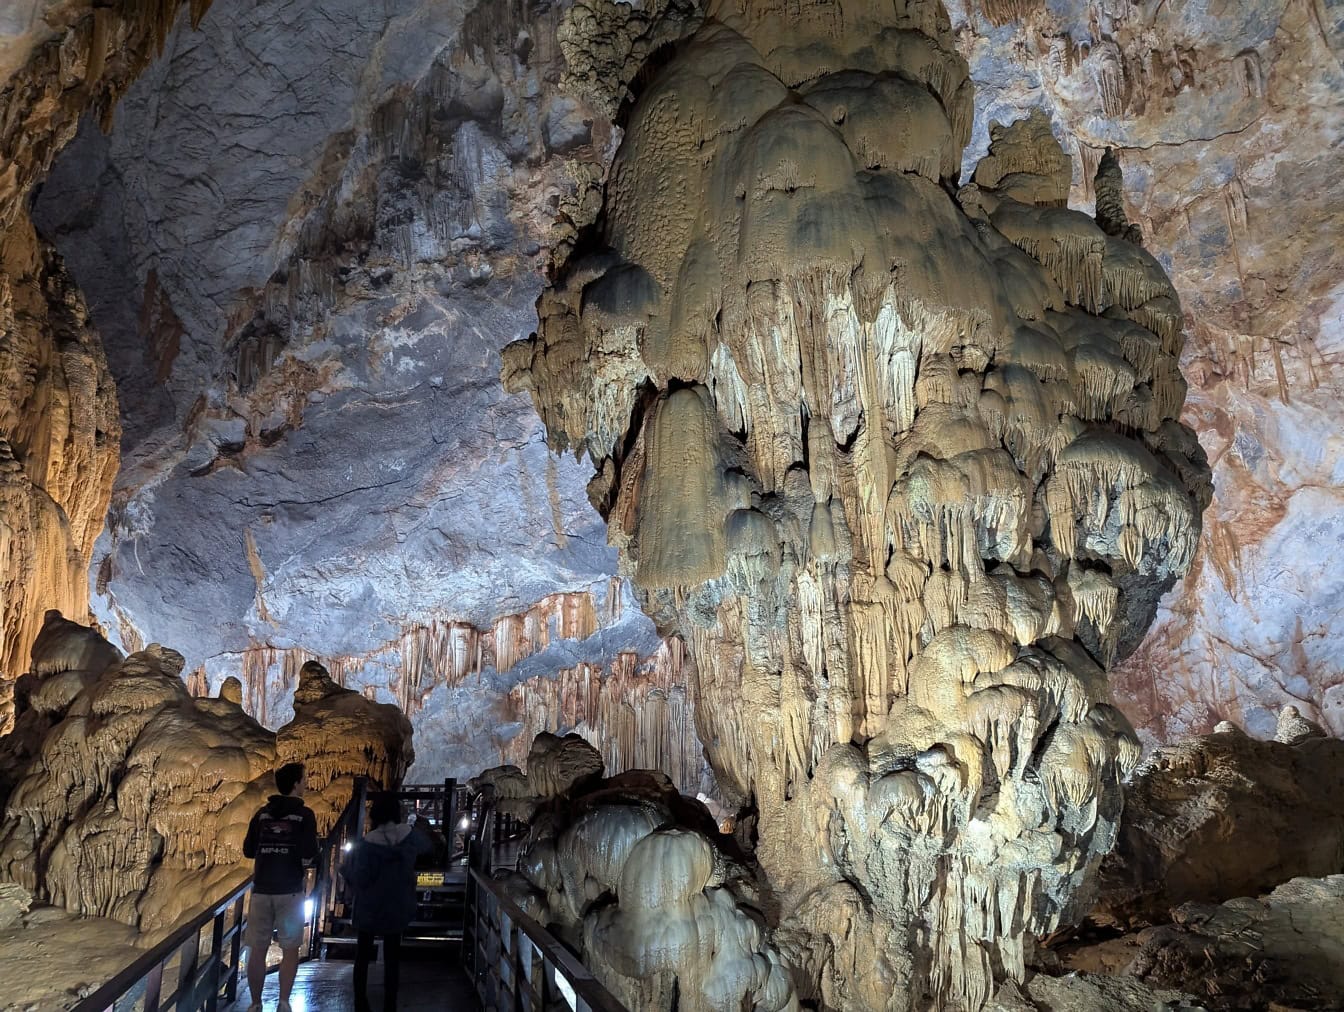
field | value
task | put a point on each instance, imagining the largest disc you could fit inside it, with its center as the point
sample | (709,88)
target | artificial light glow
(348,846)
(464,823)
(308,908)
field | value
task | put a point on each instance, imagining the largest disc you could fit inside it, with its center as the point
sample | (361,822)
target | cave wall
(1226,119)
(58,422)
(303,268)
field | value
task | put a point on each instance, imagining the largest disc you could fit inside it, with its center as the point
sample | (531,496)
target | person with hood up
(381,870)
(281,838)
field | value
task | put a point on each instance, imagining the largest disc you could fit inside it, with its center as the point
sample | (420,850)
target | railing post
(216,957)
(153,986)
(188,959)
(235,949)
(450,818)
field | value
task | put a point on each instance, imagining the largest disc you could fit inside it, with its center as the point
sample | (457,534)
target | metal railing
(516,965)
(191,961)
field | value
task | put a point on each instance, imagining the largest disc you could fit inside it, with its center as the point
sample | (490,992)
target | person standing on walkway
(281,839)
(381,870)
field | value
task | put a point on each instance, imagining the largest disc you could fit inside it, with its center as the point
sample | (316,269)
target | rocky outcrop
(664,909)
(1223,816)
(126,797)
(338,735)
(1284,950)
(59,427)
(904,472)
(136,805)
(58,445)
(1223,118)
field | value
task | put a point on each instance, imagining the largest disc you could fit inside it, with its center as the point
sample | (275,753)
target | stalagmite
(903,470)
(135,802)
(338,735)
(125,797)
(663,906)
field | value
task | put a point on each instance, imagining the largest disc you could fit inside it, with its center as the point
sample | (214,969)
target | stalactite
(637,714)
(896,468)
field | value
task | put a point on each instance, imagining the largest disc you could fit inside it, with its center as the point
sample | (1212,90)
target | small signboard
(429,879)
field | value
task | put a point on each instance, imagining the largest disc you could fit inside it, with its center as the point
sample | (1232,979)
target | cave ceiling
(312,227)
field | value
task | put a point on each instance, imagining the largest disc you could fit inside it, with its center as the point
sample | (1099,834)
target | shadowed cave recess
(858,480)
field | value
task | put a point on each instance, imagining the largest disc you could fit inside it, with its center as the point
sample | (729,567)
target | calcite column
(902,467)
(59,433)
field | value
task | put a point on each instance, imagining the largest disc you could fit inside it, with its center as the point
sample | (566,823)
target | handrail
(349,826)
(515,963)
(199,979)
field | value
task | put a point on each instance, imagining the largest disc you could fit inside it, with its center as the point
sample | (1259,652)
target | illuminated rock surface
(1225,118)
(901,469)
(261,336)
(1222,816)
(125,797)
(665,909)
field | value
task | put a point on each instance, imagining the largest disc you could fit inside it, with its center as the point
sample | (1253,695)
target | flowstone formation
(135,805)
(126,797)
(664,909)
(338,735)
(59,428)
(903,470)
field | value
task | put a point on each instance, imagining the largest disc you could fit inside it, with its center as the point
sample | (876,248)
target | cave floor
(430,979)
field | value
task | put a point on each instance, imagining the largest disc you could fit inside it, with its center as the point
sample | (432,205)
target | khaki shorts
(281,914)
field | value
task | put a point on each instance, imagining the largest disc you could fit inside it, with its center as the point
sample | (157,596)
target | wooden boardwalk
(431,979)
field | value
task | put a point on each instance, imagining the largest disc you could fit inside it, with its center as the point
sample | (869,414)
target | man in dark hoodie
(381,869)
(282,838)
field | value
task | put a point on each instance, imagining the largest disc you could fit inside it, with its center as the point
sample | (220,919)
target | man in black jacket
(282,838)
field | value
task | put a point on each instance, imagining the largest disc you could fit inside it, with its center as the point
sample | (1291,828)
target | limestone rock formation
(338,735)
(639,715)
(15,901)
(58,443)
(310,230)
(66,658)
(905,472)
(665,910)
(1223,816)
(136,804)
(126,797)
(1088,992)
(59,426)
(1223,117)
(1284,950)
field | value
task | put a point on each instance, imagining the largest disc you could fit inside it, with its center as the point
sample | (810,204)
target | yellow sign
(429,879)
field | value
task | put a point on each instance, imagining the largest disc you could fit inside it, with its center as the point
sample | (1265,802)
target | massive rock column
(59,428)
(902,468)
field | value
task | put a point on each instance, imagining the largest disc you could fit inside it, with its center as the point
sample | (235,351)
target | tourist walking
(281,839)
(381,870)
